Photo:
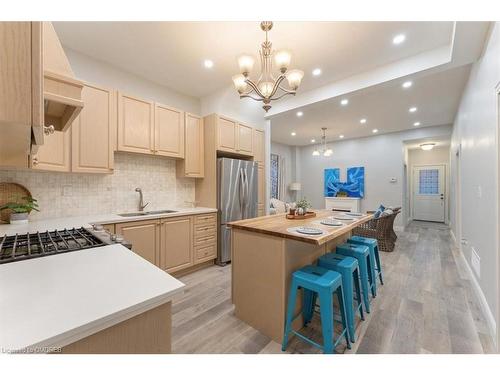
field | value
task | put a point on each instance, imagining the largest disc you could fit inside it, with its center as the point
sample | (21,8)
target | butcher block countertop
(278,225)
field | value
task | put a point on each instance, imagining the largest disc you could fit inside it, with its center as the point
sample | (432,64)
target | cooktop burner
(33,245)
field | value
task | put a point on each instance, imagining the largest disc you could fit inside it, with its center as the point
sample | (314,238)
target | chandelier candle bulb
(294,78)
(246,64)
(282,59)
(239,83)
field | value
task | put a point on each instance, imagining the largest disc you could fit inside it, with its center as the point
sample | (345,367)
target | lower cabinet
(144,237)
(172,244)
(176,243)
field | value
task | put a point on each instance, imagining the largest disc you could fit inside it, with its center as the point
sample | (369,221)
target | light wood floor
(427,305)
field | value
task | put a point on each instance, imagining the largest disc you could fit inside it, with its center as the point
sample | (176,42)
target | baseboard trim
(485,308)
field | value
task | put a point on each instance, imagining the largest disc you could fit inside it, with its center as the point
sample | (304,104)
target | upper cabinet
(93,133)
(233,137)
(169,131)
(259,146)
(21,90)
(193,163)
(135,125)
(55,154)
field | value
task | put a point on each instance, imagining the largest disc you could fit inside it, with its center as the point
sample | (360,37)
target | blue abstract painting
(354,186)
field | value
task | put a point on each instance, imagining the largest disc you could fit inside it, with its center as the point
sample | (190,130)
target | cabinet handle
(35,161)
(48,130)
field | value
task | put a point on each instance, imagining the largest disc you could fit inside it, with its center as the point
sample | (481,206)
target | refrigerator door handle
(247,191)
(241,190)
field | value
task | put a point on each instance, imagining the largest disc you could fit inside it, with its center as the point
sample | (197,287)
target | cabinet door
(259,146)
(194,165)
(244,139)
(176,244)
(261,198)
(93,132)
(135,125)
(169,131)
(144,237)
(54,154)
(226,131)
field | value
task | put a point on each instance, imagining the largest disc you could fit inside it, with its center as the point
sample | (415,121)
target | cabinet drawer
(205,219)
(203,230)
(204,253)
(205,240)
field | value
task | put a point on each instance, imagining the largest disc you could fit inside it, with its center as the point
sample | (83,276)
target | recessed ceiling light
(341,136)
(412,109)
(208,64)
(344,101)
(407,84)
(313,140)
(398,39)
(416,123)
(316,72)
(293,134)
(375,131)
(300,113)
(362,121)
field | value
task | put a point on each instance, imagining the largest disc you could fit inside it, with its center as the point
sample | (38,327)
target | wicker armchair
(381,229)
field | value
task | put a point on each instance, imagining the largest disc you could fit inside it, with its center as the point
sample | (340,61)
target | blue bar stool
(324,283)
(362,254)
(373,246)
(348,268)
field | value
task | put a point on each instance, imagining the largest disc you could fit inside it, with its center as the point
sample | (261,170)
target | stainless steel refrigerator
(236,199)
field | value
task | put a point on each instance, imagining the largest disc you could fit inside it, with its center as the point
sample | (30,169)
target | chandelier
(267,87)
(325,151)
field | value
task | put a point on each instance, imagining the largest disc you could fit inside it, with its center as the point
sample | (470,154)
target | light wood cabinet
(261,197)
(226,134)
(94,131)
(54,154)
(21,90)
(144,237)
(169,131)
(193,163)
(259,146)
(135,124)
(176,244)
(244,139)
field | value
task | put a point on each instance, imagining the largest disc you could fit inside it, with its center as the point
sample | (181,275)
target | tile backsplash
(73,194)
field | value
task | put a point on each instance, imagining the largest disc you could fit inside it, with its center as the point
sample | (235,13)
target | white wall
(383,159)
(475,129)
(438,155)
(227,102)
(101,73)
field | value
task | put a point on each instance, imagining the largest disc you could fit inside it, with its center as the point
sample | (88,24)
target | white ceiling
(172,53)
(385,107)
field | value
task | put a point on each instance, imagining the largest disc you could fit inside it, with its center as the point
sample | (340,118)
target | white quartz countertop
(86,221)
(59,299)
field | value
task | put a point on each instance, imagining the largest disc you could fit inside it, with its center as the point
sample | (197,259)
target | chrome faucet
(141,200)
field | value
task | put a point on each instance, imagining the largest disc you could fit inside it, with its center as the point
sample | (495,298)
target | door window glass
(428,182)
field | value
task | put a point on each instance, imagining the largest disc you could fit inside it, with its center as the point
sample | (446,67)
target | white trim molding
(485,308)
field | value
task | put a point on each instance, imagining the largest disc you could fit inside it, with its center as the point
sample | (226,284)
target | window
(274,176)
(428,181)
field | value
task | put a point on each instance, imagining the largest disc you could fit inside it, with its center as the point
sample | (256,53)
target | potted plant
(20,209)
(302,206)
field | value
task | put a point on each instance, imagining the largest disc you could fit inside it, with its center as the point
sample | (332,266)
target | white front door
(429,193)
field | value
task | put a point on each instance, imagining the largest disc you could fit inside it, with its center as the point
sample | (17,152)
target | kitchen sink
(146,213)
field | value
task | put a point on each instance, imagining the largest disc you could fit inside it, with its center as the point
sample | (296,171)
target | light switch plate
(475,261)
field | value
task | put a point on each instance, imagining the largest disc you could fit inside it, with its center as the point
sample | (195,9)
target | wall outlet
(475,261)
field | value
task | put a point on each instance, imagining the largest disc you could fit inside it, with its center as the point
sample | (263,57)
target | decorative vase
(292,211)
(18,218)
(300,211)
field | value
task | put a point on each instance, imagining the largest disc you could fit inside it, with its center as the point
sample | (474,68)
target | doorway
(429,193)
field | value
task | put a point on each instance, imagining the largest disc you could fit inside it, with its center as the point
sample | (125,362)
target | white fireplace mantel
(343,203)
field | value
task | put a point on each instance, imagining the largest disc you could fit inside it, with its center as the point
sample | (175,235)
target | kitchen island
(265,252)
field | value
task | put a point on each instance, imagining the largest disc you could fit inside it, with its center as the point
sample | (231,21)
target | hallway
(427,305)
